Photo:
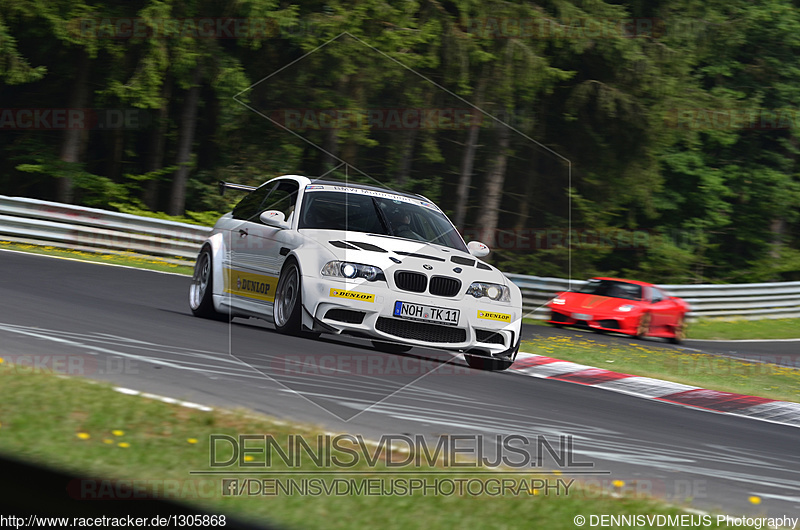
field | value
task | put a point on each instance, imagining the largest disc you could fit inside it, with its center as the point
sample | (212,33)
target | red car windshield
(613,289)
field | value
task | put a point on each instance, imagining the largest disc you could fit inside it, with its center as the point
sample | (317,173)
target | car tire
(643,326)
(390,347)
(201,289)
(679,331)
(287,308)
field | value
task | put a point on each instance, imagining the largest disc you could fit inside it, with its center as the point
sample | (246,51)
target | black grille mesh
(443,286)
(345,315)
(415,282)
(489,337)
(420,330)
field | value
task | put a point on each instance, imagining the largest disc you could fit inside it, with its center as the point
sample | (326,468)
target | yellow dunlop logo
(352,295)
(490,315)
(249,285)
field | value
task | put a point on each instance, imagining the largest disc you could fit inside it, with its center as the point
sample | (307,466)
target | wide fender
(216,244)
(310,259)
(516,302)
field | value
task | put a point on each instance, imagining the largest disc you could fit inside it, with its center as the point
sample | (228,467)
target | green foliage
(94,190)
(206,218)
(681,125)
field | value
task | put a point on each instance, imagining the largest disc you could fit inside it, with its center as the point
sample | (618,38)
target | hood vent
(343,244)
(415,255)
(462,261)
(353,245)
(368,246)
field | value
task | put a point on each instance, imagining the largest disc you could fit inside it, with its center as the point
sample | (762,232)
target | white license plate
(581,316)
(426,313)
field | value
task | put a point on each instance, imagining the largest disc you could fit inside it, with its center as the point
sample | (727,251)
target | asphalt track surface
(134,328)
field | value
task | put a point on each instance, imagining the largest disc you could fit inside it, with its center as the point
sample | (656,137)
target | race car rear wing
(231,186)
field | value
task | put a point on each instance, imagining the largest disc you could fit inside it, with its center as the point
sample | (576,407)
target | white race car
(316,256)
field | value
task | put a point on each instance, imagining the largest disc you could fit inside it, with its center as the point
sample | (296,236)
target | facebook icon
(230,486)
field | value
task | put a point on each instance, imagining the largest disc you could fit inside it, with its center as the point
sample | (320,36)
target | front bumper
(620,322)
(366,310)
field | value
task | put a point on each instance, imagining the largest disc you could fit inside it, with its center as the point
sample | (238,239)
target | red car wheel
(644,326)
(679,331)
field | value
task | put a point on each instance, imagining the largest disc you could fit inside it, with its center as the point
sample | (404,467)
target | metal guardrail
(93,228)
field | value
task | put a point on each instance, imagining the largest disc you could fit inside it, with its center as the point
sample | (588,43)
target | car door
(663,309)
(259,250)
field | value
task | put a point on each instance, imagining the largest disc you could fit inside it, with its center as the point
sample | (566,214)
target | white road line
(94,262)
(171,401)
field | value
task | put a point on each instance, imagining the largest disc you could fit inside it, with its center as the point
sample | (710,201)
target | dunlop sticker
(490,315)
(352,295)
(257,286)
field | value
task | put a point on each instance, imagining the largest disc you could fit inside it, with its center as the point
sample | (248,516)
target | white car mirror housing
(274,218)
(478,249)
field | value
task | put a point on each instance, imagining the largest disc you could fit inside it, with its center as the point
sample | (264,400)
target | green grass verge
(696,369)
(93,431)
(738,329)
(127,259)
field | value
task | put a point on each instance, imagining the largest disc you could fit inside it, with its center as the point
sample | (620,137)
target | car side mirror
(274,218)
(478,249)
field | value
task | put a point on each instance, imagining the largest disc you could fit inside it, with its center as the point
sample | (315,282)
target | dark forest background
(679,118)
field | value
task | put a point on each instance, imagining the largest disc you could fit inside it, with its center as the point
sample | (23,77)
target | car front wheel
(644,326)
(288,300)
(679,331)
(202,288)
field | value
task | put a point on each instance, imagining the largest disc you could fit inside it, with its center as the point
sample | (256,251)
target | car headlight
(558,301)
(345,269)
(625,308)
(493,291)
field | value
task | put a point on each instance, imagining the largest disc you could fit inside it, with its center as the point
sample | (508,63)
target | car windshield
(379,215)
(613,289)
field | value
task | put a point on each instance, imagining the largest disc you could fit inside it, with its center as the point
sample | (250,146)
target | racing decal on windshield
(491,315)
(372,193)
(257,286)
(352,295)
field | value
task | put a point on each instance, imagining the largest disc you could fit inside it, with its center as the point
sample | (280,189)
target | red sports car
(623,306)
